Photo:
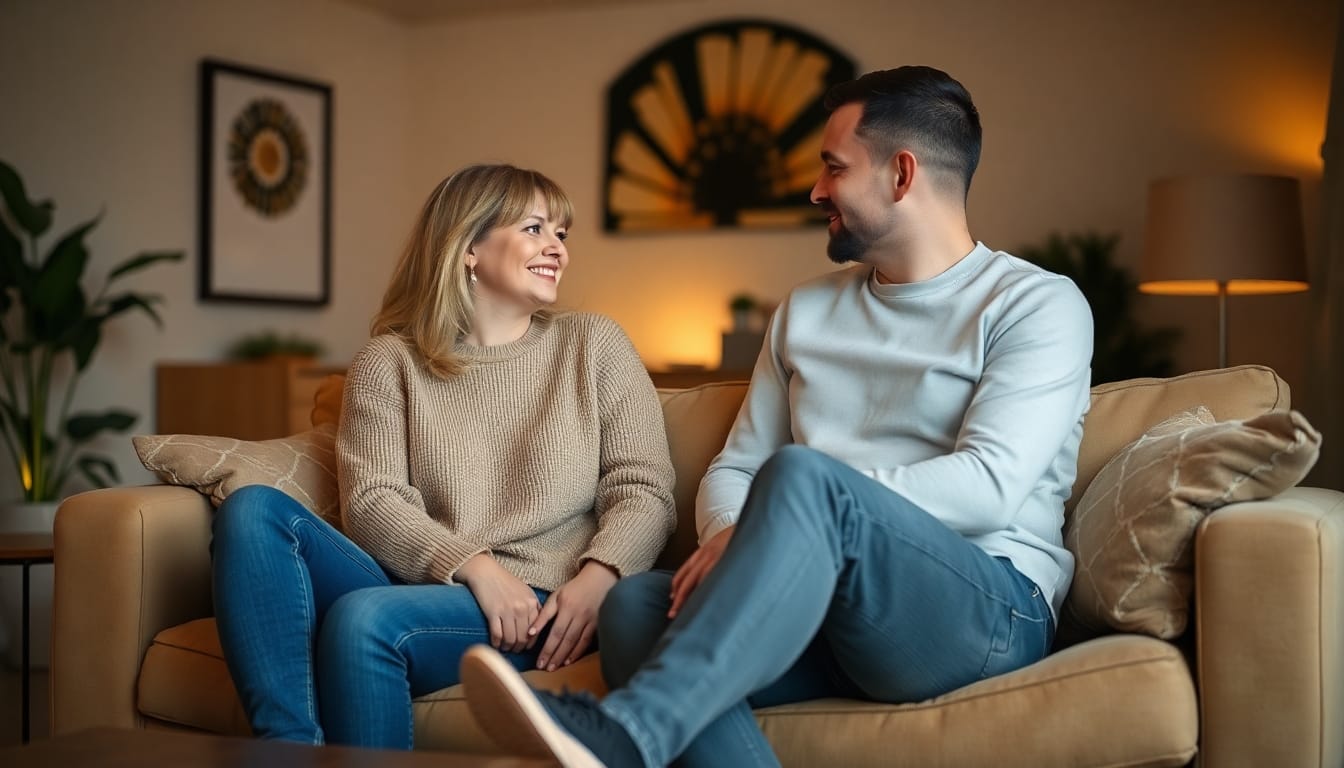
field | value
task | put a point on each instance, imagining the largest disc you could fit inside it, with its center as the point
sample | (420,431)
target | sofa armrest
(130,562)
(1269,603)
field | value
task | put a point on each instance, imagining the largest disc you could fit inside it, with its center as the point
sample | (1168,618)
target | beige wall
(98,110)
(1083,104)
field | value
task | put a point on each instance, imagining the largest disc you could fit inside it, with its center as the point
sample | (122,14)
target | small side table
(26,549)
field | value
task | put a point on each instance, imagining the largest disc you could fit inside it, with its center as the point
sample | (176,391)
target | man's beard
(844,247)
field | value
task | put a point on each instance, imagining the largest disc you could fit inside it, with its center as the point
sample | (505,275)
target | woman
(500,467)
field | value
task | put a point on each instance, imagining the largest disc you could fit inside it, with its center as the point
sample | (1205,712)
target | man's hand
(509,605)
(574,610)
(696,568)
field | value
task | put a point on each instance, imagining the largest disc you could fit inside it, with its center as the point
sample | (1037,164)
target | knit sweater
(544,452)
(964,393)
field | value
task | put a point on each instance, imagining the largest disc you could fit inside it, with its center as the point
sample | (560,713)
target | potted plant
(50,329)
(743,306)
(1122,348)
(269,345)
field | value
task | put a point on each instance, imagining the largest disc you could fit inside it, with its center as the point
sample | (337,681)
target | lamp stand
(1222,323)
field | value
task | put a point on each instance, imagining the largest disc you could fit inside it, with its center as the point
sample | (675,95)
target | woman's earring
(471,274)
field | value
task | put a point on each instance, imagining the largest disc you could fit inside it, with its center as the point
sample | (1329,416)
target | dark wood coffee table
(113,747)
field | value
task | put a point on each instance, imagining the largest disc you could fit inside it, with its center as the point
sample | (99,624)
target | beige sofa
(1257,681)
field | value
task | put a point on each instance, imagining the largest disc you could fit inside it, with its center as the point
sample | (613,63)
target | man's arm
(1031,395)
(761,428)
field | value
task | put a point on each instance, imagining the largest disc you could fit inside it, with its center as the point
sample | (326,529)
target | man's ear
(903,169)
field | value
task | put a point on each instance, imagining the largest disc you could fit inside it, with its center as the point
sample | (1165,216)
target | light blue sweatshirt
(964,393)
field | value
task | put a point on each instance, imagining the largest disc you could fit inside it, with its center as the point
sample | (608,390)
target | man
(885,519)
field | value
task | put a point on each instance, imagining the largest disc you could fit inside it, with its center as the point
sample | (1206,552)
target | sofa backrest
(698,420)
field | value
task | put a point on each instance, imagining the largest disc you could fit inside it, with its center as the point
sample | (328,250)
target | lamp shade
(1243,231)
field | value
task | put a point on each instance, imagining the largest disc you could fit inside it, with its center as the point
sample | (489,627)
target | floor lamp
(1229,235)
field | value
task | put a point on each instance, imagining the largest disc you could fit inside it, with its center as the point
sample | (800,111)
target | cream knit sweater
(545,452)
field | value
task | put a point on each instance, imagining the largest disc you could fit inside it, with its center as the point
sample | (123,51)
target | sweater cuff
(445,562)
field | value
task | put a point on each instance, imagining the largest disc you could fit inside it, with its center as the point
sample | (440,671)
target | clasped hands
(516,619)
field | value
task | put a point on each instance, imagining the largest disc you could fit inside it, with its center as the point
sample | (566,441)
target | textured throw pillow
(302,465)
(1133,528)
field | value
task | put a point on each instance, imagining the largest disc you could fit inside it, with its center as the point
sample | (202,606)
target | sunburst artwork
(268,157)
(719,126)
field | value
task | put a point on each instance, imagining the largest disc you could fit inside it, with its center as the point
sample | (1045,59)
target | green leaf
(84,426)
(59,276)
(98,470)
(141,261)
(118,304)
(84,341)
(14,271)
(33,218)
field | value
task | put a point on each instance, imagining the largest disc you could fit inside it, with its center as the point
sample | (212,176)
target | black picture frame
(265,187)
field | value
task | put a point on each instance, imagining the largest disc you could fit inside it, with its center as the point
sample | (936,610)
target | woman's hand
(574,610)
(696,568)
(509,605)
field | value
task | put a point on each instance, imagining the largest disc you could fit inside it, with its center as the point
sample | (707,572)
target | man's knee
(792,463)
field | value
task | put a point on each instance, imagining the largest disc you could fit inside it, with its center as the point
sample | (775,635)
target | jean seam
(898,533)
(338,541)
(310,603)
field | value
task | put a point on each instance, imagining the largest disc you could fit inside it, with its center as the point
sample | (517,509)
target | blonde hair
(429,302)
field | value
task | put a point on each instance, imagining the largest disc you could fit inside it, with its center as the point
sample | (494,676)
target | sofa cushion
(1132,530)
(1119,700)
(185,681)
(302,465)
(1123,410)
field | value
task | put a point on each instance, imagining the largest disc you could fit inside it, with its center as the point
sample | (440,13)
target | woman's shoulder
(382,354)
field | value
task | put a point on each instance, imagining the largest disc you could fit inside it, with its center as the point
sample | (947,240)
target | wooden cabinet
(274,398)
(247,400)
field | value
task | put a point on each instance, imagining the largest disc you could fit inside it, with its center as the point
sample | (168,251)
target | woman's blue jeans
(323,644)
(832,585)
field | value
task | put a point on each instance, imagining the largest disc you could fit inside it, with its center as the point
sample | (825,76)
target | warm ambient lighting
(1230,235)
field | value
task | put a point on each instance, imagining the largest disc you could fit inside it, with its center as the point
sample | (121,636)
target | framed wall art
(265,204)
(719,126)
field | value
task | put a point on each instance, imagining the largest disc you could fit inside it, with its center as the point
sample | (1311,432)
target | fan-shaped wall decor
(719,126)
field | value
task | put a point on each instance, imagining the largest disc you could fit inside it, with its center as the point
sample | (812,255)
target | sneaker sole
(510,714)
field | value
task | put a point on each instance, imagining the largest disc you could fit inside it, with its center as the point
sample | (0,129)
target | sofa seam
(913,706)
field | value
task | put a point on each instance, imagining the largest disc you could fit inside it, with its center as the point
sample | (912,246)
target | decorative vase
(26,517)
(742,320)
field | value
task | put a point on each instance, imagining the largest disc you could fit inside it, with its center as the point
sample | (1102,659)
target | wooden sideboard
(274,398)
(247,400)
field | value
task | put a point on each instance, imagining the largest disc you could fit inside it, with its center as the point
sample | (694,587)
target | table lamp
(1225,235)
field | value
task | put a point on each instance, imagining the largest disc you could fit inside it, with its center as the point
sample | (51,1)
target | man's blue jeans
(323,644)
(832,585)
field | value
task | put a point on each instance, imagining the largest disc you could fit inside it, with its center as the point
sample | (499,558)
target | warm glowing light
(25,475)
(1210,287)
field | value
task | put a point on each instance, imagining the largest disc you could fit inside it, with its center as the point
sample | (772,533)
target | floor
(11,698)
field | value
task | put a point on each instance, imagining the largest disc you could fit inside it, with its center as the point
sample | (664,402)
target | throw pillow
(301,465)
(1132,530)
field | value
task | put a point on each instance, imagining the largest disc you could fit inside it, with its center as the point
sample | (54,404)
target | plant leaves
(140,261)
(118,304)
(58,290)
(84,341)
(33,218)
(84,426)
(90,465)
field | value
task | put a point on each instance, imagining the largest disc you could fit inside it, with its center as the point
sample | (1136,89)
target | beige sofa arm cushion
(129,563)
(1269,602)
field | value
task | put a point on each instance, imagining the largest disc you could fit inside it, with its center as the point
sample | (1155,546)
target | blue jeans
(322,643)
(832,585)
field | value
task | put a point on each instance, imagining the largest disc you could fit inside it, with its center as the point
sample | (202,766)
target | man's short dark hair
(918,108)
